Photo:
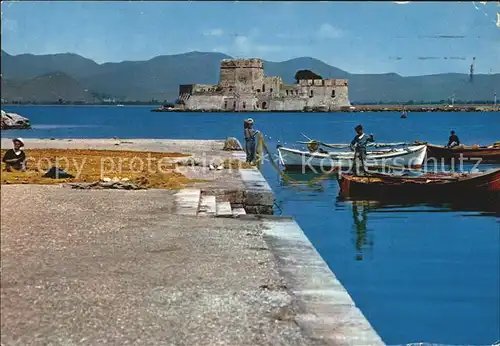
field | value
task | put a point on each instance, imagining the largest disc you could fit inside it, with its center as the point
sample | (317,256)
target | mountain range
(71,77)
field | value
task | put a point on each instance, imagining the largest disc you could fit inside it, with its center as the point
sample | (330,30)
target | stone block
(235,196)
(208,205)
(251,209)
(265,210)
(238,212)
(259,197)
(259,210)
(223,209)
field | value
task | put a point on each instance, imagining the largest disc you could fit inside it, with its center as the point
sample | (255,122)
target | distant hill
(50,87)
(24,76)
(157,78)
(27,66)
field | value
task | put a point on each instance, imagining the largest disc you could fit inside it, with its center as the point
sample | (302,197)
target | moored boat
(168,107)
(163,109)
(487,154)
(294,159)
(427,186)
(404,113)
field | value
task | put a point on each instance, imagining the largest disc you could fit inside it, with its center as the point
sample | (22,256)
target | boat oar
(335,146)
(306,137)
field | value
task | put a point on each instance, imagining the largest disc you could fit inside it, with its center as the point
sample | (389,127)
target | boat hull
(296,160)
(466,153)
(484,186)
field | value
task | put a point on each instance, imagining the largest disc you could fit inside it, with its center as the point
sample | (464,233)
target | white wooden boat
(408,157)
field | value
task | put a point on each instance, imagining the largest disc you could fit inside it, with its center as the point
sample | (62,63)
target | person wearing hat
(15,159)
(250,135)
(359,144)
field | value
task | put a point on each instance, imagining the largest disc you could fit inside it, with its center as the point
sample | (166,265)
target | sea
(419,273)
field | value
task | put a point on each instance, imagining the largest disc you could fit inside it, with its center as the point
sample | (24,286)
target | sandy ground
(92,267)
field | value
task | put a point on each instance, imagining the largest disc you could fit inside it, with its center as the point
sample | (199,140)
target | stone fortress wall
(244,87)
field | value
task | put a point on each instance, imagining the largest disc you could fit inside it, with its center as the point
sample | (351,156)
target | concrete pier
(161,267)
(328,312)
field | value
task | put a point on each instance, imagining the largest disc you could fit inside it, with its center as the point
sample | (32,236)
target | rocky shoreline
(354,109)
(14,121)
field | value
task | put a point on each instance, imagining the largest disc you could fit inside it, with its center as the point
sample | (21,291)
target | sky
(408,38)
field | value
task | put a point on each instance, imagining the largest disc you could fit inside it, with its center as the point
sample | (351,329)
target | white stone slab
(239,211)
(224,209)
(208,206)
(187,201)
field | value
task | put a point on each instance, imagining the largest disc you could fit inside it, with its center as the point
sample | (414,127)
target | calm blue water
(418,273)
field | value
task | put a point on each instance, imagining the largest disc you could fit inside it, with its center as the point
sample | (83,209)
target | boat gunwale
(419,180)
(459,149)
(391,154)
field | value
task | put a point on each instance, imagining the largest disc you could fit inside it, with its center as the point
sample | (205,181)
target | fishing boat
(426,186)
(168,107)
(404,113)
(294,159)
(487,154)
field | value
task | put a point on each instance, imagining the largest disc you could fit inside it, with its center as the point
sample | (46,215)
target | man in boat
(358,145)
(453,141)
(15,159)
(250,135)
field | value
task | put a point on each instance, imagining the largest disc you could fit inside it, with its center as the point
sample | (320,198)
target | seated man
(453,141)
(15,159)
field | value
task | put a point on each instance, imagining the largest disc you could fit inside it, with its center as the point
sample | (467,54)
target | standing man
(250,135)
(358,145)
(453,141)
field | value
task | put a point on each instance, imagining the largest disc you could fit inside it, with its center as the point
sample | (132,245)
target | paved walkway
(92,267)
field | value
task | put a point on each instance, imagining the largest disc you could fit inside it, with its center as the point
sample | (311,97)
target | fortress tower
(241,76)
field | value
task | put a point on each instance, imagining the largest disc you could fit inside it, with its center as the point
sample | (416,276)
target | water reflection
(362,237)
(361,209)
(305,181)
(309,197)
(298,177)
(483,205)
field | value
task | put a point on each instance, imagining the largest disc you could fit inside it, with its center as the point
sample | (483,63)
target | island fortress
(244,87)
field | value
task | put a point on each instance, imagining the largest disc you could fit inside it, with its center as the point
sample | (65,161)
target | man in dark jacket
(453,141)
(15,159)
(358,144)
